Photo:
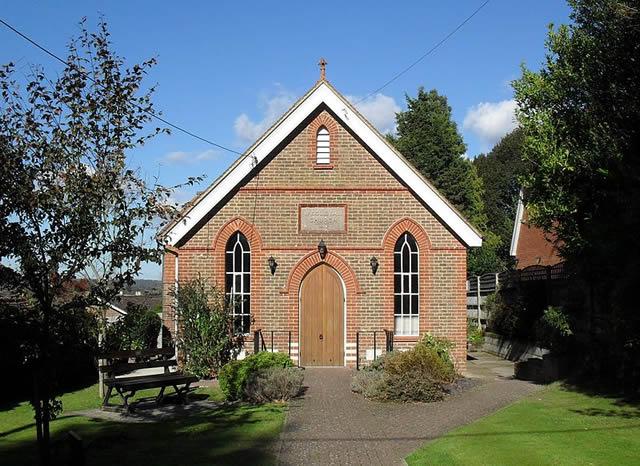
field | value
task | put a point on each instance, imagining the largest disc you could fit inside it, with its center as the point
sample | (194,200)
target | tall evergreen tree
(429,138)
(499,171)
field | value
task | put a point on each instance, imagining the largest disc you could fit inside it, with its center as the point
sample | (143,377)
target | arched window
(405,288)
(323,147)
(238,281)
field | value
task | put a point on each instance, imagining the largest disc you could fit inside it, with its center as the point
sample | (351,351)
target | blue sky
(226,70)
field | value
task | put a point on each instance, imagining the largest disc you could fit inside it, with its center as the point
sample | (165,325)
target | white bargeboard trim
(516,226)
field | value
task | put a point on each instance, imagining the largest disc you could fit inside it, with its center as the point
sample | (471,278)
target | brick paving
(330,425)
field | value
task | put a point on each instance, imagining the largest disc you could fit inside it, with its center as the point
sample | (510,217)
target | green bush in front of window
(206,333)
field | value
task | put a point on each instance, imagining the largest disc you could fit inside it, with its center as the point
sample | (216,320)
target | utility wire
(157,117)
(427,53)
(185,131)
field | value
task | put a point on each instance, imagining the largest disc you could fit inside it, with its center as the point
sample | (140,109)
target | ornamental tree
(70,204)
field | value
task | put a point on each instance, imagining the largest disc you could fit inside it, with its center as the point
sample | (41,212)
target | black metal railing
(259,343)
(388,341)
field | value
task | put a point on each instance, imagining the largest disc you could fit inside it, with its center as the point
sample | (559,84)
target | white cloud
(182,157)
(272,107)
(179,196)
(489,121)
(208,154)
(380,110)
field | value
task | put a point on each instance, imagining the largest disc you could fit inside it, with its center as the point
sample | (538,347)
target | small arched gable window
(405,288)
(238,281)
(323,146)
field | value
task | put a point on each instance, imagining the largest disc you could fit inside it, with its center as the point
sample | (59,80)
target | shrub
(229,380)
(419,374)
(506,317)
(206,328)
(378,363)
(233,376)
(475,335)
(410,386)
(136,330)
(441,346)
(274,384)
(553,328)
(424,361)
(369,383)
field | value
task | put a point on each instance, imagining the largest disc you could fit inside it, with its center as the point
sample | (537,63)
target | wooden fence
(481,286)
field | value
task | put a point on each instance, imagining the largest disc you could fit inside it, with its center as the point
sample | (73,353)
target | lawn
(224,435)
(556,426)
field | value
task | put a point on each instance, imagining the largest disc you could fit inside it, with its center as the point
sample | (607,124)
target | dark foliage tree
(581,117)
(137,330)
(70,206)
(500,170)
(429,138)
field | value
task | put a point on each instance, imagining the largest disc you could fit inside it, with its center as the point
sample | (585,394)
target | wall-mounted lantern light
(374,264)
(272,265)
(322,249)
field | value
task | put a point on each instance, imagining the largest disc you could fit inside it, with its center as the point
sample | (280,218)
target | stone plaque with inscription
(322,219)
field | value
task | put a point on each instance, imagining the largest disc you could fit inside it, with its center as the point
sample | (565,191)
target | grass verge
(221,435)
(558,425)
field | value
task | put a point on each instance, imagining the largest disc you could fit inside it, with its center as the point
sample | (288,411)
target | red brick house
(530,245)
(323,233)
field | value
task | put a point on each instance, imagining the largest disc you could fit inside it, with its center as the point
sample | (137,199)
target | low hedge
(234,376)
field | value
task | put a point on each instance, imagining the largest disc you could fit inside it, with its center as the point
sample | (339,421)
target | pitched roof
(321,93)
(530,245)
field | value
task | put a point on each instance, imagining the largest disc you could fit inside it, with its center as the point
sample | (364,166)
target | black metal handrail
(259,343)
(388,335)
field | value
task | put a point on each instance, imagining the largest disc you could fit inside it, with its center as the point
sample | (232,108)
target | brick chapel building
(322,234)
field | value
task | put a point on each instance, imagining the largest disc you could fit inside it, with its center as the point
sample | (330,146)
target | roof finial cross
(323,69)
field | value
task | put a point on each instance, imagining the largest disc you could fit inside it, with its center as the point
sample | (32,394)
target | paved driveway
(331,425)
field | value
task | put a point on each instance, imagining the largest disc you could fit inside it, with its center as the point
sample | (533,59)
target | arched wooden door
(321,318)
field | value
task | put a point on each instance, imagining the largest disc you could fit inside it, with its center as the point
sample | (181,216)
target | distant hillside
(146,285)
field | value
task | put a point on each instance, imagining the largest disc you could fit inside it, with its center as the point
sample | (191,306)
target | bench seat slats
(150,381)
(155,378)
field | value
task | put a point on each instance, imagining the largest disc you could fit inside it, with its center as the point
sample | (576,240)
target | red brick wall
(379,208)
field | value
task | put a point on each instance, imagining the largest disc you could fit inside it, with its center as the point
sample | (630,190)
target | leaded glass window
(406,290)
(238,281)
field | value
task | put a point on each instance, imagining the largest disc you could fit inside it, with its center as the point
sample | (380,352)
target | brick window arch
(323,134)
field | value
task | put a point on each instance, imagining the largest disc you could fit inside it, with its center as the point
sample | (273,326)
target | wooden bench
(120,363)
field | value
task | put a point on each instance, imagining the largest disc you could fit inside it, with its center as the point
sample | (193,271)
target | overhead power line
(428,52)
(154,115)
(190,133)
